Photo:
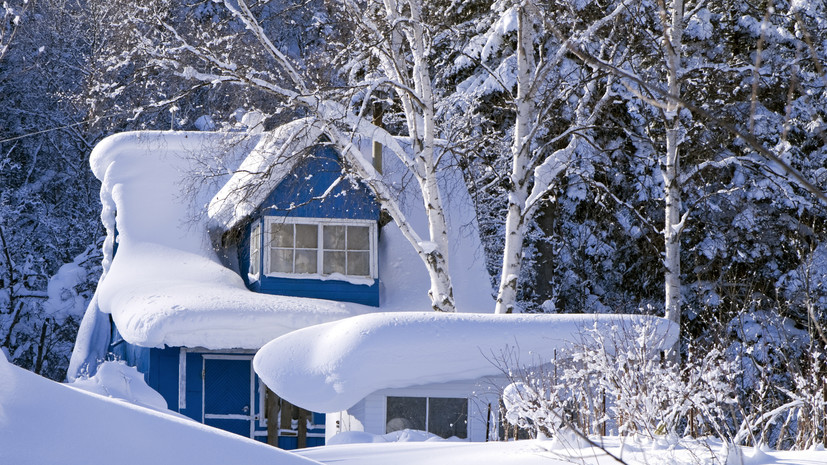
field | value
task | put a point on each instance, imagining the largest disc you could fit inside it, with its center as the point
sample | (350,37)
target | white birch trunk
(521,154)
(671,175)
(421,127)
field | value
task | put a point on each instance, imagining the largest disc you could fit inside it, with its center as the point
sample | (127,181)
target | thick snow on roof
(43,422)
(166,285)
(330,367)
(404,281)
(260,172)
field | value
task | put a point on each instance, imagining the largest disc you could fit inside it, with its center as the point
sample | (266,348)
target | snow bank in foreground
(330,367)
(43,422)
(565,449)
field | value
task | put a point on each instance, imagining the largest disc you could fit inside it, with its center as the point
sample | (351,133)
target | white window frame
(319,222)
(255,250)
(428,409)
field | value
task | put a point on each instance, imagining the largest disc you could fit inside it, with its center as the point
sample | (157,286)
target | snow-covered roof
(166,284)
(330,367)
(260,173)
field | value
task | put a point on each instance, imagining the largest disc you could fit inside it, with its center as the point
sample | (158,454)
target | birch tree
(242,53)
(519,58)
(672,31)
(535,164)
(731,166)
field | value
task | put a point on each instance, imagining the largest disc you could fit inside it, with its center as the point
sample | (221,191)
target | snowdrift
(43,422)
(330,367)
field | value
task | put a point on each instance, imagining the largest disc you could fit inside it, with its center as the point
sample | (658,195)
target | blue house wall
(297,196)
(161,372)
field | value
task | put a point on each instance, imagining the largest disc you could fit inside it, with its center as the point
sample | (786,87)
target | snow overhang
(330,367)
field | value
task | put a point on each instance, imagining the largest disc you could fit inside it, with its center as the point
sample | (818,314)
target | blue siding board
(167,374)
(322,289)
(311,178)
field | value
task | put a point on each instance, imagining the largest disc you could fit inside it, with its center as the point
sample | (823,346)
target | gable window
(443,416)
(320,247)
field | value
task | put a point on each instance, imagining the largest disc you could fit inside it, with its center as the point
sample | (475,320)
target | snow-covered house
(220,242)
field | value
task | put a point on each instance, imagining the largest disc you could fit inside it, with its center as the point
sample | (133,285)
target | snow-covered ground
(553,452)
(47,423)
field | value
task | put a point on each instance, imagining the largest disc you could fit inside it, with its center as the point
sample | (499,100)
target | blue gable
(297,195)
(315,191)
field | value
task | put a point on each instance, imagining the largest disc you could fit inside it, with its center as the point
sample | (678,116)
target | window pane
(334,262)
(358,238)
(334,237)
(306,261)
(448,417)
(281,260)
(281,235)
(358,263)
(405,413)
(254,262)
(255,241)
(307,236)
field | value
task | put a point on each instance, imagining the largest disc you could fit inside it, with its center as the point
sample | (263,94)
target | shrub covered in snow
(605,386)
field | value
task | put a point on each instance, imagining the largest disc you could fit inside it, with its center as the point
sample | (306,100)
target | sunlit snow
(328,368)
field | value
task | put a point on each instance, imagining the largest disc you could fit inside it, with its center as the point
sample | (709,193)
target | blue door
(228,393)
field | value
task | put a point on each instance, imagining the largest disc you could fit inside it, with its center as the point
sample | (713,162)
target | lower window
(443,416)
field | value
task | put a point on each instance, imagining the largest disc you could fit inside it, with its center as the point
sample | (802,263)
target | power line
(44,131)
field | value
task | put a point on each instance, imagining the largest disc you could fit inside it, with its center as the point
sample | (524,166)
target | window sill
(357,280)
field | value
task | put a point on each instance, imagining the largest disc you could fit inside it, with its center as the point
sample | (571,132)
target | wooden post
(378,112)
(271,405)
(286,417)
(302,430)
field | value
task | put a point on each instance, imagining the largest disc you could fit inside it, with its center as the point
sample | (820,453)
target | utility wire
(44,131)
